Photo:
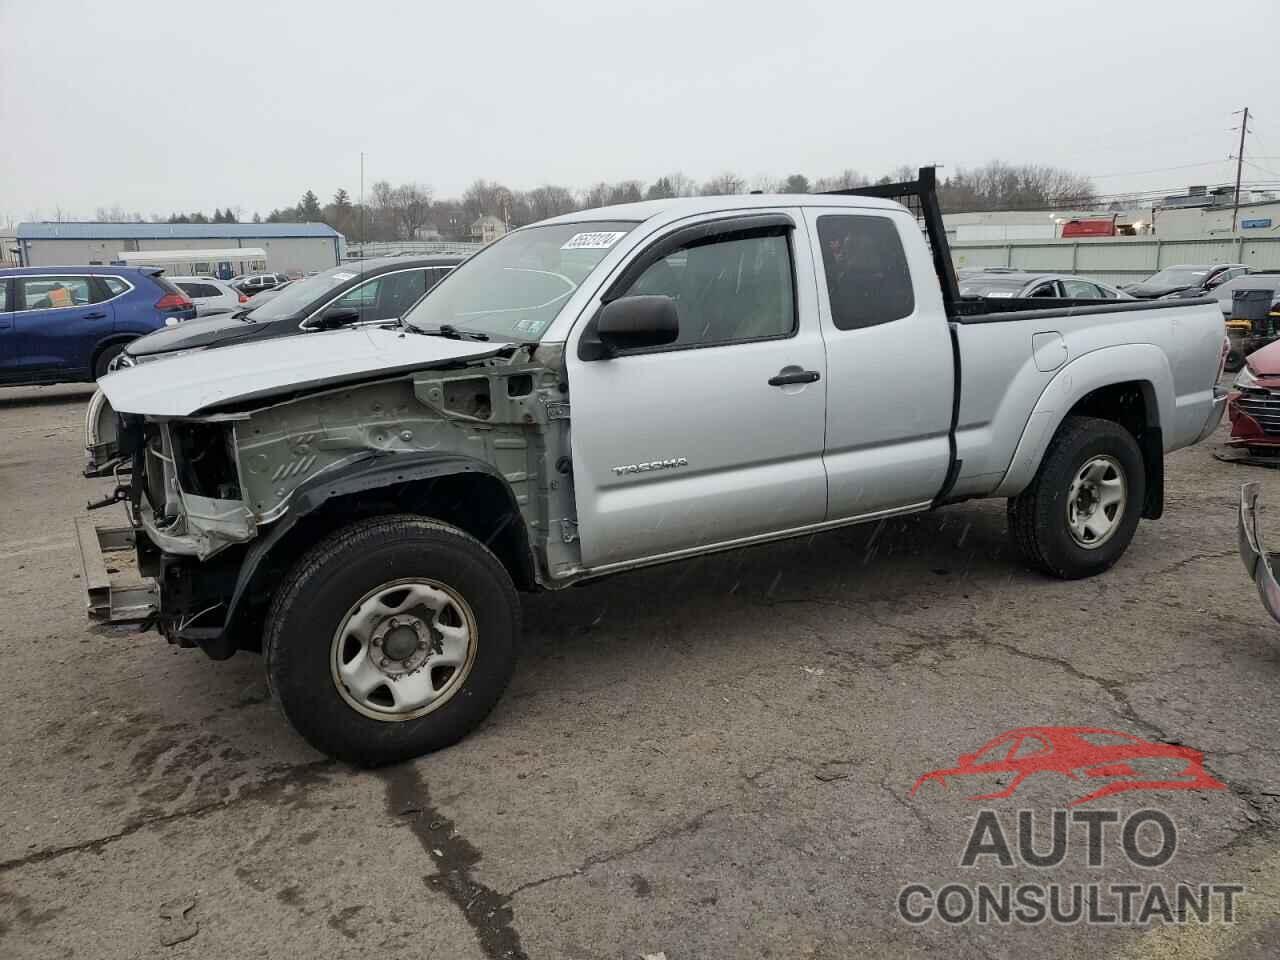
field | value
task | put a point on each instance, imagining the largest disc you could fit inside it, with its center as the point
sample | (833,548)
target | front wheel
(392,638)
(1080,512)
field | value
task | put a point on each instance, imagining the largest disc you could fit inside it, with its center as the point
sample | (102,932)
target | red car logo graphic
(1080,753)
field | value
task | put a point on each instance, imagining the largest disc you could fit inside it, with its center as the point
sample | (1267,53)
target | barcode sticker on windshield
(592,241)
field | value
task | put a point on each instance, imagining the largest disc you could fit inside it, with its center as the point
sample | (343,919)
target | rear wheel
(1080,512)
(392,638)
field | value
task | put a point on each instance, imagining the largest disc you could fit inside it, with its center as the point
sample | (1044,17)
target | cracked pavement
(710,759)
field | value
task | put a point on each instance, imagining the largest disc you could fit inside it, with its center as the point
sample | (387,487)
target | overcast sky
(161,106)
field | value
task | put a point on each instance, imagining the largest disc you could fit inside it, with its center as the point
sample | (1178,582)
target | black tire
(103,360)
(316,595)
(1038,523)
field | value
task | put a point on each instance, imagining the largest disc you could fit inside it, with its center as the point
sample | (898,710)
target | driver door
(699,442)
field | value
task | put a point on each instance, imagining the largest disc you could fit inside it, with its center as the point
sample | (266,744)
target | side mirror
(631,323)
(336,317)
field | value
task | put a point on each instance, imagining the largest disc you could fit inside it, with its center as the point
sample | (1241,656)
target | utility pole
(1244,128)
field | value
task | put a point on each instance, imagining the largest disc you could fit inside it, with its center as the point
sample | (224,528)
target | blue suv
(66,324)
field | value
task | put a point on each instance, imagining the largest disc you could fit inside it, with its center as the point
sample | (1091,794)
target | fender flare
(373,471)
(1142,362)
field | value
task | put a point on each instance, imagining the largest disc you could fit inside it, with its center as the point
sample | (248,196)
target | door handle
(794,376)
(96,315)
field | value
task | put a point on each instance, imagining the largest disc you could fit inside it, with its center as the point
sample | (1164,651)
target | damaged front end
(223,501)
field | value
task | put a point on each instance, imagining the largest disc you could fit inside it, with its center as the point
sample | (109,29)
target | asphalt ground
(709,759)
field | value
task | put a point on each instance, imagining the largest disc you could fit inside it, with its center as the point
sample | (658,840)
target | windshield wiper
(453,333)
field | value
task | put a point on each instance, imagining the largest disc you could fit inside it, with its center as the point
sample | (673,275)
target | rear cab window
(868,281)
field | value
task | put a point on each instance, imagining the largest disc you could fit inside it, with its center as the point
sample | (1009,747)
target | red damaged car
(1253,405)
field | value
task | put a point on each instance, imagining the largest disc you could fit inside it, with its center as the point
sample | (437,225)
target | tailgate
(114,591)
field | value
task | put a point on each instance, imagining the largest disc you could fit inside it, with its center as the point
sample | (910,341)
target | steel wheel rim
(1096,501)
(403,649)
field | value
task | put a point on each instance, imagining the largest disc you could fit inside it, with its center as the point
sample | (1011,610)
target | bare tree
(724,185)
(1002,186)
(767,183)
(844,180)
(115,214)
(596,196)
(411,208)
(484,197)
(549,201)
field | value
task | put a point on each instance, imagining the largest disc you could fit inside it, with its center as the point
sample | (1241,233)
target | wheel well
(475,502)
(1132,405)
(111,341)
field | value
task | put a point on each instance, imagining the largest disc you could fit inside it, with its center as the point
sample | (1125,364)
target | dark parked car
(66,324)
(370,291)
(257,282)
(1002,283)
(1186,280)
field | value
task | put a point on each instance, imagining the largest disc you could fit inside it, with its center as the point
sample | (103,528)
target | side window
(1080,290)
(399,292)
(1044,290)
(51,293)
(1107,293)
(730,288)
(197,290)
(4,294)
(365,295)
(436,274)
(867,277)
(115,285)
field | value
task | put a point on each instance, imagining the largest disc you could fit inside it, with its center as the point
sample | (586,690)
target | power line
(1258,166)
(1138,173)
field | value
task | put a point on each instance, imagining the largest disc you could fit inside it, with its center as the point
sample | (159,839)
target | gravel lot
(711,759)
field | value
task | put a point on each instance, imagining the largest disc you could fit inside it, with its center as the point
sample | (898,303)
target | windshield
(1178,277)
(513,289)
(301,293)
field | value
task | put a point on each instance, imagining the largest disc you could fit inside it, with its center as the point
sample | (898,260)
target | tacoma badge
(652,465)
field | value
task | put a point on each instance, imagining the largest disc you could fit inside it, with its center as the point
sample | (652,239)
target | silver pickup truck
(606,390)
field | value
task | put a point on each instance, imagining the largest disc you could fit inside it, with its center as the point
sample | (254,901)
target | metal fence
(416,248)
(1118,260)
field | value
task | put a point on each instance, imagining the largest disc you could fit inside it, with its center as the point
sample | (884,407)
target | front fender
(375,471)
(1142,362)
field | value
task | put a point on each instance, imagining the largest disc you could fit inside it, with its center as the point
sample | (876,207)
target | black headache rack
(920,196)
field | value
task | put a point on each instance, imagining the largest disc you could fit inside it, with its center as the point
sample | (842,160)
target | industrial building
(288,247)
